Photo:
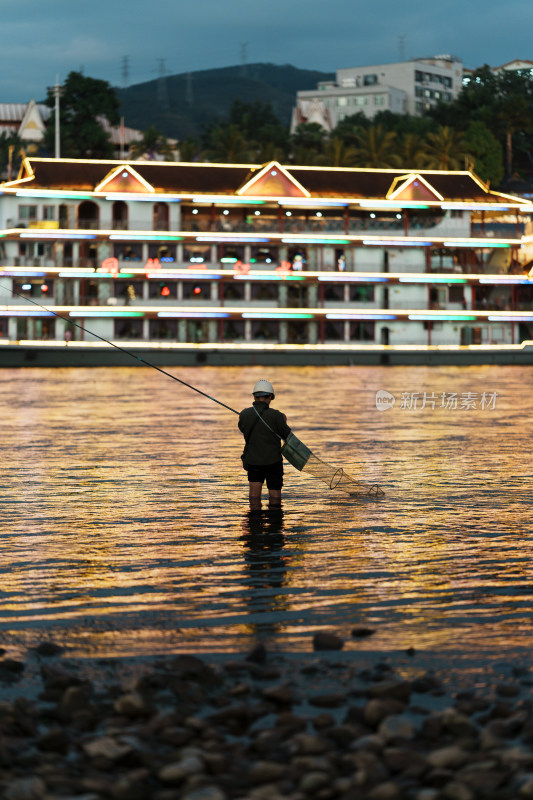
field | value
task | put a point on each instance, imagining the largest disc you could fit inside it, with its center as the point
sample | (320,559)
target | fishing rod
(294,450)
(118,347)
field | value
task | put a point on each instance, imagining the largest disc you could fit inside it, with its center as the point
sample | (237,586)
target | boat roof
(266,181)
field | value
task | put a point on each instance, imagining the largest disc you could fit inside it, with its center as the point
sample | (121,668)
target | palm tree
(227,144)
(376,148)
(337,153)
(413,151)
(152,145)
(190,150)
(445,149)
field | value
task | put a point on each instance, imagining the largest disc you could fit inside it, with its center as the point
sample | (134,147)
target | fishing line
(295,451)
(118,347)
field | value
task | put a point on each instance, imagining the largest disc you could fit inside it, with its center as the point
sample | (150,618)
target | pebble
(177,771)
(25,789)
(446,757)
(397,726)
(327,641)
(262,727)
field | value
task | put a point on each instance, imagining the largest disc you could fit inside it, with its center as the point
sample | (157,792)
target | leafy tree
(82,101)
(152,145)
(308,136)
(484,152)
(349,128)
(11,154)
(227,144)
(258,123)
(503,102)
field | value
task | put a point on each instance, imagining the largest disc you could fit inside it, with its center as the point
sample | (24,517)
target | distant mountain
(180,105)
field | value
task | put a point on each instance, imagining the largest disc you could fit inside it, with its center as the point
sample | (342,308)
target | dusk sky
(43,39)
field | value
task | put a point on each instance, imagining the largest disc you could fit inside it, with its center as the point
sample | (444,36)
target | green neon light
(60,195)
(115,313)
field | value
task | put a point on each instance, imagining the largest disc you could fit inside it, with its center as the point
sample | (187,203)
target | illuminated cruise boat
(238,264)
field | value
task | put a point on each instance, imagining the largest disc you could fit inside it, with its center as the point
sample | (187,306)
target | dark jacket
(264,446)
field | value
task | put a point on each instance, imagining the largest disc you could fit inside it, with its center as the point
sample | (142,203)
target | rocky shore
(262,727)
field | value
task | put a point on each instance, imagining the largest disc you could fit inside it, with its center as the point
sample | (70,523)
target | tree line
(488,128)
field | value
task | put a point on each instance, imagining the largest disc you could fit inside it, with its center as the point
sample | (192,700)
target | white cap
(263,387)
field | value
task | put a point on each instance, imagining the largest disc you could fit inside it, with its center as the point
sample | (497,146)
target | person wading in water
(261,457)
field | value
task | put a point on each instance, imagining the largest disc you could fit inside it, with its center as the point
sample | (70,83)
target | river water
(125,528)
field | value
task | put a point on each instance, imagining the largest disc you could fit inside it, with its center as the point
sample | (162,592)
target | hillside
(180,105)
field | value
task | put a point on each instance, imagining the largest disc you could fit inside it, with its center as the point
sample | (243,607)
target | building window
(342,101)
(379,99)
(164,289)
(49,212)
(164,329)
(34,288)
(233,330)
(362,331)
(360,101)
(265,330)
(370,80)
(27,213)
(128,328)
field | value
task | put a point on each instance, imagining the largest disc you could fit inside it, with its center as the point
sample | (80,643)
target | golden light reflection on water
(125,527)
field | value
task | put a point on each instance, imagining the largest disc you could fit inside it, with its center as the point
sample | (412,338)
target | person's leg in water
(274,481)
(274,498)
(255,495)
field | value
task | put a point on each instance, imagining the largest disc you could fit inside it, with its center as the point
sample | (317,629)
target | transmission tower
(125,70)
(189,99)
(244,59)
(162,93)
(401,47)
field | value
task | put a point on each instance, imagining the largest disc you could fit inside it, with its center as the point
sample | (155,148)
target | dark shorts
(272,473)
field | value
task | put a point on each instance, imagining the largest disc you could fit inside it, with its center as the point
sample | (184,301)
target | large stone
(457,791)
(31,788)
(307,744)
(457,723)
(178,771)
(447,757)
(327,641)
(312,782)
(265,772)
(107,748)
(375,711)
(384,791)
(74,699)
(132,705)
(391,689)
(331,700)
(397,726)
(282,694)
(204,793)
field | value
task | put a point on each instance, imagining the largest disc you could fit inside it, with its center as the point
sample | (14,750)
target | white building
(405,87)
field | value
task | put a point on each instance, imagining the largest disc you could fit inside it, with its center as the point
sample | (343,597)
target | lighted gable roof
(225,180)
(273,180)
(412,188)
(124,178)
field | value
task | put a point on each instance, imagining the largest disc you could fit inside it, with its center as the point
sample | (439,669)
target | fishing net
(301,457)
